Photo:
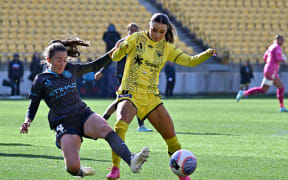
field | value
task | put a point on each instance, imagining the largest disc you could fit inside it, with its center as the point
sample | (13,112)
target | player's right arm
(35,98)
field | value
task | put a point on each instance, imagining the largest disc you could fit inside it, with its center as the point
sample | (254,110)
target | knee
(106,129)
(122,116)
(282,89)
(126,114)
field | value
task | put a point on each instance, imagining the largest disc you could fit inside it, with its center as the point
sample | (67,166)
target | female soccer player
(147,53)
(272,57)
(131,28)
(69,116)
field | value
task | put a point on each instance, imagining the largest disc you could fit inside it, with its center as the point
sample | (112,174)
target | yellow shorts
(144,103)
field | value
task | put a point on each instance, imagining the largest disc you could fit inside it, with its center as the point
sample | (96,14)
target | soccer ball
(183,162)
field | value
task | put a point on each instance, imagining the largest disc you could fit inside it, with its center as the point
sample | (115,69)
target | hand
(24,128)
(284,57)
(117,45)
(211,51)
(98,76)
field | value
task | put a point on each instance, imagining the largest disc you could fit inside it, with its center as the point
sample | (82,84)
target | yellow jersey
(146,58)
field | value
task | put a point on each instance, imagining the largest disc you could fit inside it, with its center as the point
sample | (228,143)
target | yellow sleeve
(125,48)
(178,57)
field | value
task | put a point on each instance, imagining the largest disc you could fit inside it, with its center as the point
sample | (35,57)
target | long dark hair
(69,44)
(164,19)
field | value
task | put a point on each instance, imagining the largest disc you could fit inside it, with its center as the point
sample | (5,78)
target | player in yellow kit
(147,53)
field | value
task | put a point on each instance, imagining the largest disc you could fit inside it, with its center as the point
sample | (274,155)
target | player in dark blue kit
(69,116)
(131,28)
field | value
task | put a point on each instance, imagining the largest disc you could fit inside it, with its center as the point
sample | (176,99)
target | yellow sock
(120,128)
(173,145)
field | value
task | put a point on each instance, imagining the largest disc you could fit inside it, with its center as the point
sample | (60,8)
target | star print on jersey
(138,60)
(159,54)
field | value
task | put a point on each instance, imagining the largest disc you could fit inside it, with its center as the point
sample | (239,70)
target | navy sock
(140,122)
(118,146)
(106,116)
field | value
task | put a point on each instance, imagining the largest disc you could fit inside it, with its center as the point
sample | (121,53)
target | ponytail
(170,35)
(71,44)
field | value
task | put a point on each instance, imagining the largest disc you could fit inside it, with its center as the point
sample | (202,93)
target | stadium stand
(28,25)
(244,28)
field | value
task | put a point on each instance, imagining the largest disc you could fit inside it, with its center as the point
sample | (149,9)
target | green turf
(248,140)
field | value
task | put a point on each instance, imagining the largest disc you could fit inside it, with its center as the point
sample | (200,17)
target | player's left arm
(35,96)
(93,66)
(178,57)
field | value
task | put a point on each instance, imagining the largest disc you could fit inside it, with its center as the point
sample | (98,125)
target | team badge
(67,74)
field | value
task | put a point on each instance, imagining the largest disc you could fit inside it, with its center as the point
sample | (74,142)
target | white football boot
(87,171)
(138,159)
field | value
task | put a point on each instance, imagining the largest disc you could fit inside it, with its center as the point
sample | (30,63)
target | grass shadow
(206,134)
(14,144)
(45,157)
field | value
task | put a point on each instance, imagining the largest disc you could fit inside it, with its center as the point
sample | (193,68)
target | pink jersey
(272,58)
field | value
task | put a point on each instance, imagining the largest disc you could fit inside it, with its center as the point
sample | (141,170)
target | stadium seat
(252,24)
(29,25)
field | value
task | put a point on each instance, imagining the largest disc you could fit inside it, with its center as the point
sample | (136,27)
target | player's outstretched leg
(239,95)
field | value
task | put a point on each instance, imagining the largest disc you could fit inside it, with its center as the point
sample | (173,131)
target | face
(132,30)
(280,41)
(157,31)
(58,61)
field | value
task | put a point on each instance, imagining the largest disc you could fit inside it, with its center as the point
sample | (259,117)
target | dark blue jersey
(60,92)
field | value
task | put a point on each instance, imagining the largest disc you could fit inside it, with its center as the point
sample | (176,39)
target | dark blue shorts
(72,125)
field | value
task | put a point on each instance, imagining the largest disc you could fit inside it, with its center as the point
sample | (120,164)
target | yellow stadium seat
(244,27)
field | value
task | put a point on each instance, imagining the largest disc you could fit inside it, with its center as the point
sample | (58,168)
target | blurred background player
(147,52)
(272,57)
(35,66)
(131,28)
(170,73)
(246,74)
(110,37)
(69,116)
(15,74)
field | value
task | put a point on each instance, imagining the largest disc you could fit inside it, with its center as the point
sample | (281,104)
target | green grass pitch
(248,140)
